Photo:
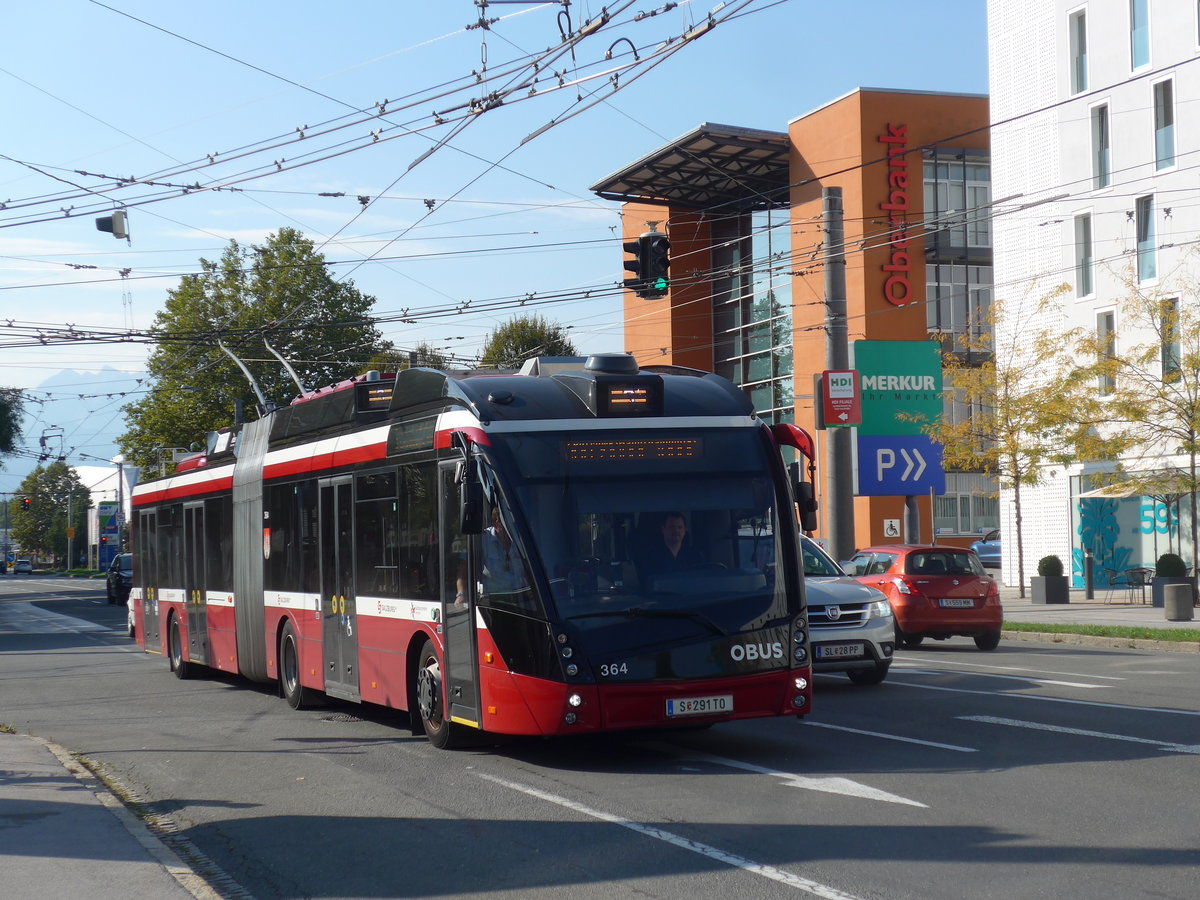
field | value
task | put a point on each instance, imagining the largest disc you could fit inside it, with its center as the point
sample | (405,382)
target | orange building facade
(743,211)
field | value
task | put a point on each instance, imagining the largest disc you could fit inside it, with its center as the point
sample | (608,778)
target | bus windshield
(665,528)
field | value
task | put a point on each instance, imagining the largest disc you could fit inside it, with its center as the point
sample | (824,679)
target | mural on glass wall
(1123,533)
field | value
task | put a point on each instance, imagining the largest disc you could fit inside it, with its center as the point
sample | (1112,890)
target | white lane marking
(1026,678)
(892,737)
(747,865)
(995,694)
(1083,732)
(955,663)
(831,785)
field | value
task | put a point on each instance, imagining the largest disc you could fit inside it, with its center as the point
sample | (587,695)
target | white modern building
(1096,167)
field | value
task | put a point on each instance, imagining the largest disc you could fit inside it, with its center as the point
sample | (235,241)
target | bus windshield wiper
(644,612)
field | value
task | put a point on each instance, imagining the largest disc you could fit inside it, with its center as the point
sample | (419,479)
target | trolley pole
(839,473)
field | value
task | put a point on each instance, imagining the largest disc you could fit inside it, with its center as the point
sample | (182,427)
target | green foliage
(42,528)
(423,356)
(12,408)
(280,292)
(1050,566)
(522,338)
(1170,565)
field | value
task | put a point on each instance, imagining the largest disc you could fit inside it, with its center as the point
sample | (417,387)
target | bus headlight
(800,654)
(575,700)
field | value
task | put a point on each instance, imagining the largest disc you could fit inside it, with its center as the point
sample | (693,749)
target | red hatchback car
(935,591)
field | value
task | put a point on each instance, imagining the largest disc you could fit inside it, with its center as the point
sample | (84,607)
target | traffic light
(103,539)
(650,264)
(25,503)
(656,264)
(636,265)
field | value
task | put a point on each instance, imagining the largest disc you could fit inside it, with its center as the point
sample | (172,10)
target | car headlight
(880,609)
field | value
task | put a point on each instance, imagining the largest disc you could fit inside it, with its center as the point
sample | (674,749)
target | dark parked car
(119,578)
(935,591)
(988,549)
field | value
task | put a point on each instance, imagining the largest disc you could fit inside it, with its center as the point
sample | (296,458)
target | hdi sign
(841,399)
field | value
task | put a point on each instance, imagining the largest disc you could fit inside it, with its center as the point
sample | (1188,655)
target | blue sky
(89,88)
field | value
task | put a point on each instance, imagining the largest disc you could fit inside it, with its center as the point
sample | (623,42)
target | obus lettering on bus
(750,652)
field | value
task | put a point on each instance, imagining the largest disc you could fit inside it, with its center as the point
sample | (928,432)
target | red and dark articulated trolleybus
(585,546)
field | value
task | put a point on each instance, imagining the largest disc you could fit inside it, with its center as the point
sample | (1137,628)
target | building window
(1077,25)
(958,301)
(1139,33)
(969,506)
(1101,151)
(752,309)
(958,197)
(1169,330)
(1147,252)
(1106,339)
(1164,125)
(1084,261)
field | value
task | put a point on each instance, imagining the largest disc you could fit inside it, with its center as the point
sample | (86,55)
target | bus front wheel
(430,698)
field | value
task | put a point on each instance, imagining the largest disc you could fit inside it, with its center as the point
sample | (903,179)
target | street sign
(900,385)
(899,465)
(841,398)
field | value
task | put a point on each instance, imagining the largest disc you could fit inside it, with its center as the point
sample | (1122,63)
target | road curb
(1091,640)
(172,863)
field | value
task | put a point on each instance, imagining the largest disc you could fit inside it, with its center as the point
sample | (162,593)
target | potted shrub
(1169,569)
(1050,585)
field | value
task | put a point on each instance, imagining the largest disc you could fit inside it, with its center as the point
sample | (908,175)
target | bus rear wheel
(431,699)
(296,695)
(179,666)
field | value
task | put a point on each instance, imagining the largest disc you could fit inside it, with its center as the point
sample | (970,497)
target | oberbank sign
(901,385)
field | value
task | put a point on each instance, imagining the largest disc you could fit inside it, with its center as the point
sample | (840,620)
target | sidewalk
(1081,611)
(62,834)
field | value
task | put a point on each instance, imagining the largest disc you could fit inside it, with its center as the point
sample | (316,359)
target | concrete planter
(1177,602)
(1161,581)
(1050,589)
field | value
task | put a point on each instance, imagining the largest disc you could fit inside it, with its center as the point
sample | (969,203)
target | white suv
(850,624)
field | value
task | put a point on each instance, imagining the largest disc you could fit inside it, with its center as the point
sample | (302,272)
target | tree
(1151,378)
(1021,402)
(394,360)
(12,408)
(41,527)
(279,293)
(522,338)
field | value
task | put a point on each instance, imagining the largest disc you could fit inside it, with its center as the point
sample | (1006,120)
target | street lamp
(119,462)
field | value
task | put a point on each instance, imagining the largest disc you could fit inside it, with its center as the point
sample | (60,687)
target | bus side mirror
(806,503)
(470,514)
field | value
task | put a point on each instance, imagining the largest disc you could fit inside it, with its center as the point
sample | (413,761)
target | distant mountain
(78,414)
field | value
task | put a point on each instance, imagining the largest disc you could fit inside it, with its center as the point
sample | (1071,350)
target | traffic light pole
(839,471)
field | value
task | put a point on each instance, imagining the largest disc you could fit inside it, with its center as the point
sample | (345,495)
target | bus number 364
(610,669)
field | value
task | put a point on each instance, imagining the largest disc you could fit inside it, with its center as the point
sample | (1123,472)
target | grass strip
(1182,635)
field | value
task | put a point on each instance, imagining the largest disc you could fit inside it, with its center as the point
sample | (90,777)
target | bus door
(147,560)
(338,613)
(458,612)
(193,582)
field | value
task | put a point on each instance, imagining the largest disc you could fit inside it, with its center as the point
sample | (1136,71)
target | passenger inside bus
(503,565)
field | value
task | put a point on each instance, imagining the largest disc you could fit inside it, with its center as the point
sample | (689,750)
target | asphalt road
(1032,771)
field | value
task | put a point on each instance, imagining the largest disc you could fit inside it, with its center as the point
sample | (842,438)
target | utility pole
(839,472)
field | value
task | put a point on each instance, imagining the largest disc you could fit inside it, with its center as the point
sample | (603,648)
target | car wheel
(179,666)
(431,698)
(989,641)
(108,591)
(868,676)
(296,695)
(908,641)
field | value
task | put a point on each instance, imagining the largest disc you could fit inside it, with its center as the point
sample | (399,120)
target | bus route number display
(675,448)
